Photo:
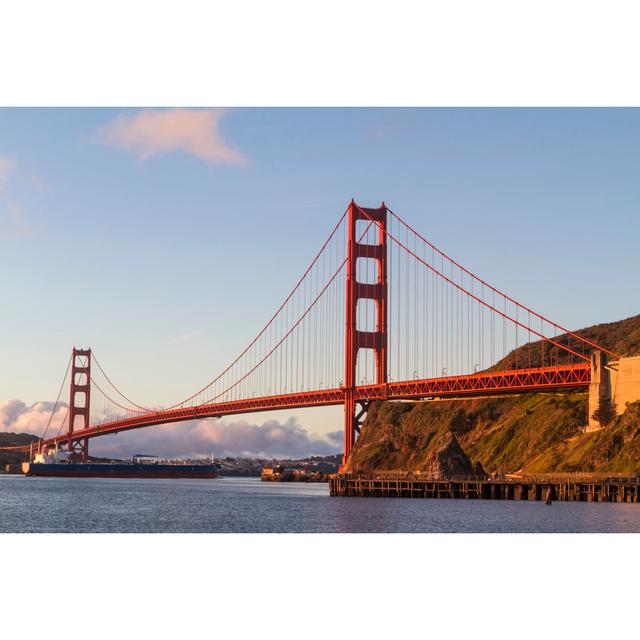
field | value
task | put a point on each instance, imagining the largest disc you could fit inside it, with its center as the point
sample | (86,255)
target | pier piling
(562,488)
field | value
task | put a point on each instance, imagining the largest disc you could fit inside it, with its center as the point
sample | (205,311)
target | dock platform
(557,487)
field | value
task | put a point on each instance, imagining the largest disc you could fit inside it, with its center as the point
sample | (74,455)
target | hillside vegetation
(621,337)
(615,448)
(530,433)
(12,439)
(502,434)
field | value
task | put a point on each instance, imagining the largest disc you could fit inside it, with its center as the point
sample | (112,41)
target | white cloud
(160,131)
(271,439)
(18,417)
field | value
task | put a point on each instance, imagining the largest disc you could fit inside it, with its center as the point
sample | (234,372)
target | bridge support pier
(79,403)
(355,339)
(600,387)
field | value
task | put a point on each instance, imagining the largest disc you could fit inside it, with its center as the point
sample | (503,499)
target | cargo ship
(58,465)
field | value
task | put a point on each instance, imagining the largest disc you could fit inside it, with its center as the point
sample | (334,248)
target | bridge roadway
(562,377)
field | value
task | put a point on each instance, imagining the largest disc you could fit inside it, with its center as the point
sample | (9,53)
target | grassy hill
(622,337)
(11,439)
(502,434)
(531,432)
(615,449)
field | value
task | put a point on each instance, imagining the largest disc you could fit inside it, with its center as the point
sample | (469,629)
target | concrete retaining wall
(625,383)
(618,381)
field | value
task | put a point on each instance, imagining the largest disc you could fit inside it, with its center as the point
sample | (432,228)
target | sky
(165,238)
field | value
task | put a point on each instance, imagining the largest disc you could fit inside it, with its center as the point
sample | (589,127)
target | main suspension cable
(461,288)
(146,409)
(264,329)
(500,293)
(308,309)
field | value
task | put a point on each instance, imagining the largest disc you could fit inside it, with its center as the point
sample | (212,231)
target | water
(247,505)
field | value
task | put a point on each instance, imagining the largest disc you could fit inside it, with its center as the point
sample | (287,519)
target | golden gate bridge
(380,314)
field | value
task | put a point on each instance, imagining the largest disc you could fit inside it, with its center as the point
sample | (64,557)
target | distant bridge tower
(79,402)
(355,339)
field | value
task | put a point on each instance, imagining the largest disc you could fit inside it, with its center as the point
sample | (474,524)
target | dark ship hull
(120,470)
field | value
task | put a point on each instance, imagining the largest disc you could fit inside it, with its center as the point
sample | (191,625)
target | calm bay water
(248,505)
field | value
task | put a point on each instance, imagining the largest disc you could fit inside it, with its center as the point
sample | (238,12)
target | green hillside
(9,440)
(622,337)
(502,434)
(531,432)
(615,448)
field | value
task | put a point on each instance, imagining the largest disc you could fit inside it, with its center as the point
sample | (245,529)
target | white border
(318,586)
(335,52)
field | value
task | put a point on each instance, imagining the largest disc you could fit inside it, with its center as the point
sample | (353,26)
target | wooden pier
(559,487)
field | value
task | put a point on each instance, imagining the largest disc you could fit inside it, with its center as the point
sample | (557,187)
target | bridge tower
(355,339)
(79,402)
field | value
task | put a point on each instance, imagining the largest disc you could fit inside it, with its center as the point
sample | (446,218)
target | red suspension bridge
(380,314)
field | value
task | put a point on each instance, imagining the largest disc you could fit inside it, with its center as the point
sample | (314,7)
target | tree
(605,413)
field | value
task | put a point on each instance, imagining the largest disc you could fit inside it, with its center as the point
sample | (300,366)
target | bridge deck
(485,383)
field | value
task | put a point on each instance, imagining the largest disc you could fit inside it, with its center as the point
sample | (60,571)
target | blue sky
(165,253)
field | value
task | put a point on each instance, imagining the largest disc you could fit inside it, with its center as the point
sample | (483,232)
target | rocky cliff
(461,437)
